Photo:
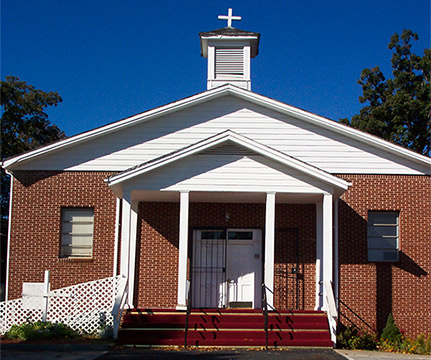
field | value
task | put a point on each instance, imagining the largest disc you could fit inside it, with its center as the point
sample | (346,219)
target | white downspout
(336,272)
(9,238)
(319,256)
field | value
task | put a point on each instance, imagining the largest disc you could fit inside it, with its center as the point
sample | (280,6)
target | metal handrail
(265,313)
(187,313)
(120,302)
(331,308)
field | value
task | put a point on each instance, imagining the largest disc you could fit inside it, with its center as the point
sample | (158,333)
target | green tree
(24,124)
(398,109)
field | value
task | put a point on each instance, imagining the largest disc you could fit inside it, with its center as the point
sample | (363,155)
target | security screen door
(227,268)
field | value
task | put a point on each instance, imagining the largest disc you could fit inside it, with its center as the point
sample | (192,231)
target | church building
(228,197)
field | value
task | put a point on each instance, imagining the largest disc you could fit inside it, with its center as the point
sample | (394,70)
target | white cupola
(229,51)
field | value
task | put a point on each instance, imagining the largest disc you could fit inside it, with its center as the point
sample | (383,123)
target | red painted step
(220,327)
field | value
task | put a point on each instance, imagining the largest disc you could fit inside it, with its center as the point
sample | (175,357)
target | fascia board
(330,125)
(130,121)
(223,37)
(240,140)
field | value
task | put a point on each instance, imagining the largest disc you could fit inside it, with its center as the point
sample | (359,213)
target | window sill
(75,260)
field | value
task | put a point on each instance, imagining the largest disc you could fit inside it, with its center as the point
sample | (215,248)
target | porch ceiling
(225,197)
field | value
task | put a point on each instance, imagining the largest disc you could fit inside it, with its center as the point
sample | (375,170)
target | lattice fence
(86,307)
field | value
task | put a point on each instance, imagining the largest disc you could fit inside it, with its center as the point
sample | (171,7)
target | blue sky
(110,59)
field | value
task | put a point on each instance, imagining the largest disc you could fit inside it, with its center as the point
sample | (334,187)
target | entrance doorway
(227,268)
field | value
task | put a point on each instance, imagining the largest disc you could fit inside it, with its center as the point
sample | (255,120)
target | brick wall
(370,290)
(35,234)
(157,269)
(295,224)
(373,290)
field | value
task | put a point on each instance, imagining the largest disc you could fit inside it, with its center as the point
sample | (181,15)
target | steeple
(229,51)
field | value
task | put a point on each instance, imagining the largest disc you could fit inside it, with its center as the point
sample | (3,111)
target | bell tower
(229,52)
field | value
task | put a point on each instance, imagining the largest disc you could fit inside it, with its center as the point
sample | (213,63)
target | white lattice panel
(86,308)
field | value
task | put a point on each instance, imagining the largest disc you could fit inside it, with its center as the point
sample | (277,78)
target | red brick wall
(35,233)
(158,250)
(295,290)
(157,254)
(372,290)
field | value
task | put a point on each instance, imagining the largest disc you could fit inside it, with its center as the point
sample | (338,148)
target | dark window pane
(240,235)
(213,235)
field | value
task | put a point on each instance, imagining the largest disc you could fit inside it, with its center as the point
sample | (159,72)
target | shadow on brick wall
(29,178)
(357,305)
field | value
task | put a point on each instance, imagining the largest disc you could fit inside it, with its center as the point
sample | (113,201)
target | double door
(227,268)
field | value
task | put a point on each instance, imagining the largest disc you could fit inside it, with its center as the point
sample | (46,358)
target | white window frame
(380,234)
(66,240)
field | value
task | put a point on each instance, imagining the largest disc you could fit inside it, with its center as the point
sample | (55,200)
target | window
(382,235)
(77,226)
(213,235)
(240,235)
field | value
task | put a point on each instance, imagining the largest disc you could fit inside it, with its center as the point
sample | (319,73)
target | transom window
(213,235)
(77,227)
(382,235)
(240,235)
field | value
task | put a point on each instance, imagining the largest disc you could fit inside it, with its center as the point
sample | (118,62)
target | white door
(243,267)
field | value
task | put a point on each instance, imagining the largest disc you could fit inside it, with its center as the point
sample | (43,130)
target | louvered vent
(229,61)
(228,149)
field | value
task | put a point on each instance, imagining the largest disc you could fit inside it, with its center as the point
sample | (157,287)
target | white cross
(229,18)
(40,290)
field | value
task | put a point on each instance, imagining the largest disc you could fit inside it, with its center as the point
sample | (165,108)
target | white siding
(226,173)
(128,147)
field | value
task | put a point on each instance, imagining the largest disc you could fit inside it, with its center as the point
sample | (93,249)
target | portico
(231,169)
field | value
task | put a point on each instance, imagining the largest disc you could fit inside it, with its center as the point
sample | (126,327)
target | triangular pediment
(227,162)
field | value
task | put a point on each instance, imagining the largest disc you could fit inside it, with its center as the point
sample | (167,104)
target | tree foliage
(398,109)
(24,123)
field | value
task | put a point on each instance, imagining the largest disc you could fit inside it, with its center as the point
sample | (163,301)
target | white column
(336,251)
(327,262)
(319,256)
(128,242)
(132,252)
(211,66)
(182,251)
(125,235)
(246,62)
(116,234)
(270,247)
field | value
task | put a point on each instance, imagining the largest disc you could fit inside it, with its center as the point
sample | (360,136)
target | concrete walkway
(50,355)
(81,353)
(378,355)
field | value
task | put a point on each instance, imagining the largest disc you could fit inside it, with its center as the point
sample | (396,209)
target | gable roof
(224,90)
(238,139)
